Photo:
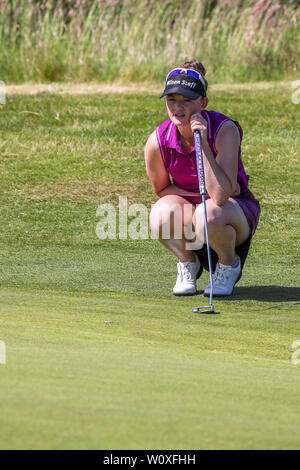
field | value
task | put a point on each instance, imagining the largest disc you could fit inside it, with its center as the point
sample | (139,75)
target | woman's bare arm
(156,171)
(220,172)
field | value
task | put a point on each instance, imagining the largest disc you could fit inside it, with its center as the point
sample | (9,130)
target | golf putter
(199,157)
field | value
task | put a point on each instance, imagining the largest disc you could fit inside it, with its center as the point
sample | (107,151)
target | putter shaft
(202,189)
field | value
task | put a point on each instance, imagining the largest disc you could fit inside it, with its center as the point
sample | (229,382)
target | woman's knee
(215,220)
(170,212)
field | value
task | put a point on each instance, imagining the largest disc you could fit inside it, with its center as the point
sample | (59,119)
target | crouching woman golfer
(232,210)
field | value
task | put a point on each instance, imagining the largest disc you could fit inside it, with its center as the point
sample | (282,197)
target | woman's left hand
(198,123)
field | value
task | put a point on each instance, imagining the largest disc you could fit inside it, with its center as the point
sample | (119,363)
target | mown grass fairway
(158,376)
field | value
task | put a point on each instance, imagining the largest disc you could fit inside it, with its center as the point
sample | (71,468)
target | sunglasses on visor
(188,72)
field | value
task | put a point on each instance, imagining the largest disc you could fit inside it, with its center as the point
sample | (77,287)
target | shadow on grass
(266,293)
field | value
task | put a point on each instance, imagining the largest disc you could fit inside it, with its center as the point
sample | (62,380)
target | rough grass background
(129,40)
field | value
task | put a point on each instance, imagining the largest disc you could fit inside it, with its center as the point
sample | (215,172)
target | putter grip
(199,158)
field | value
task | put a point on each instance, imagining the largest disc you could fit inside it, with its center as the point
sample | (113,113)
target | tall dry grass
(133,40)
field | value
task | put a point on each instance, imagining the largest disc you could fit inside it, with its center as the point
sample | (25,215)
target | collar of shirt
(173,140)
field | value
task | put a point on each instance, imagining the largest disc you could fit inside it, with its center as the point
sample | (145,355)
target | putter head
(204,309)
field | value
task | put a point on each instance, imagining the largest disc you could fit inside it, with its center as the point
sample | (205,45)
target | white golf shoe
(224,279)
(188,272)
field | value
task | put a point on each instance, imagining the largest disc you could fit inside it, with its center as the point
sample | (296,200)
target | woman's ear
(204,102)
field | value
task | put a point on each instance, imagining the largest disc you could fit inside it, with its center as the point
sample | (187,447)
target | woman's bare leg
(170,219)
(227,227)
